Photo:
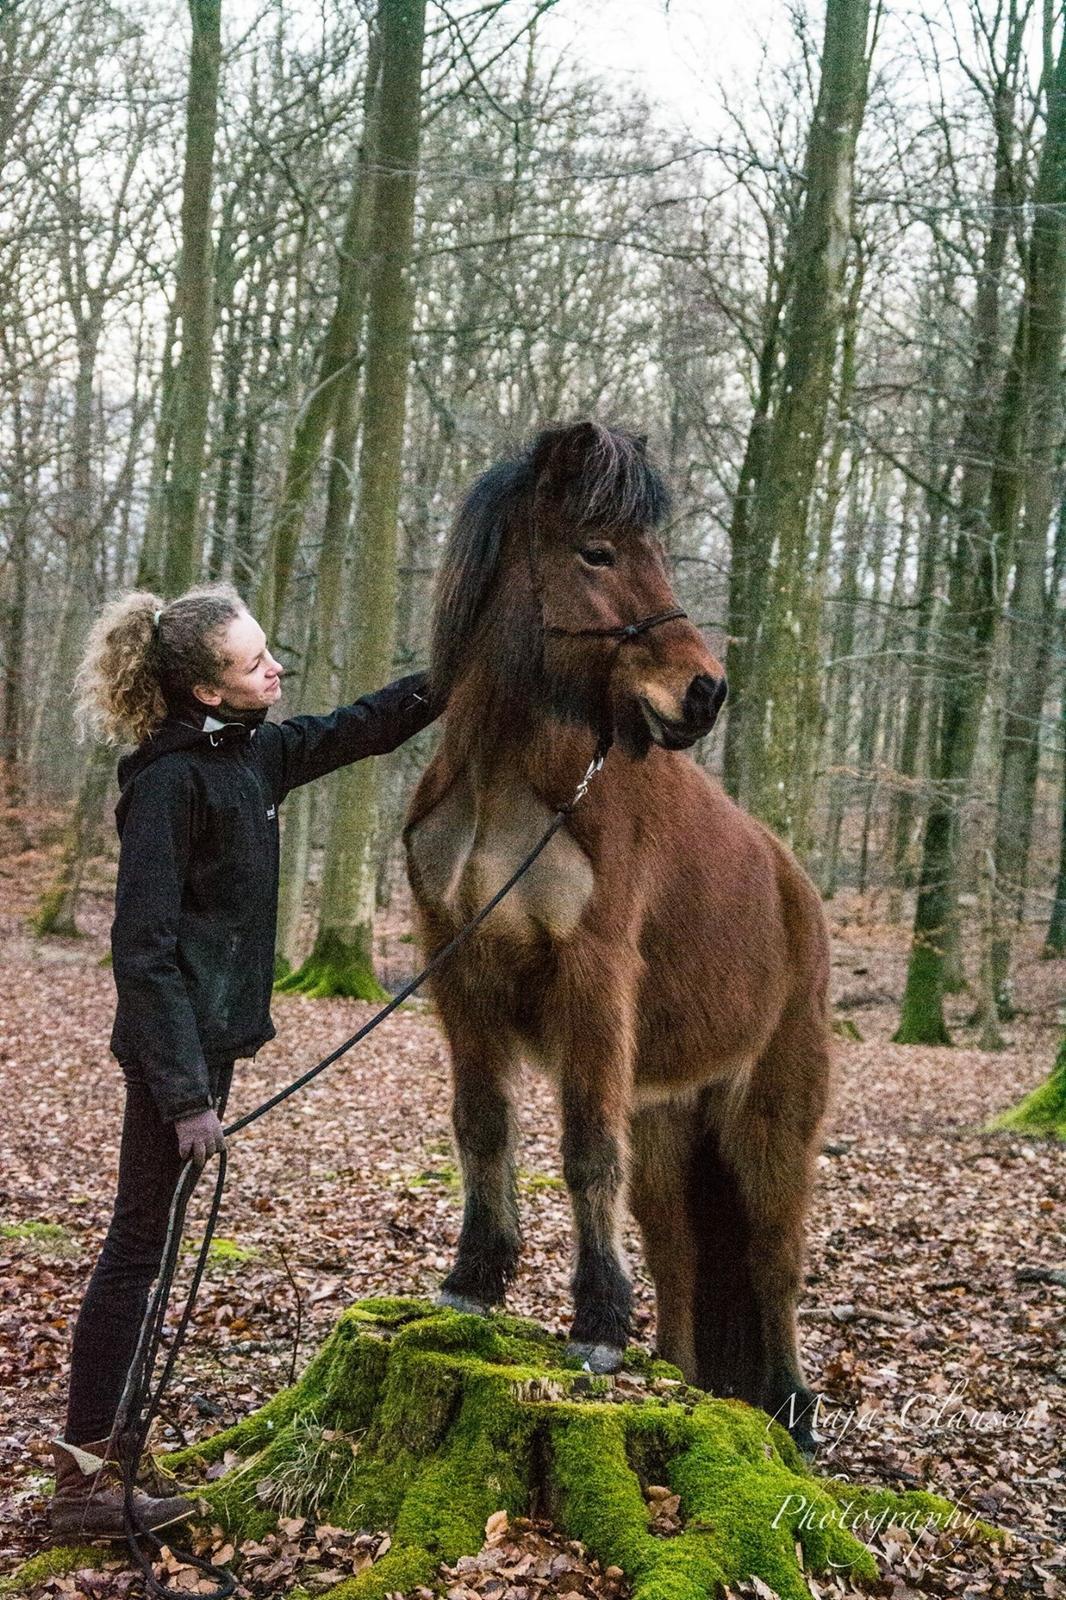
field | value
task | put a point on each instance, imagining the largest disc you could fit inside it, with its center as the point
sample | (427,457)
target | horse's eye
(597,555)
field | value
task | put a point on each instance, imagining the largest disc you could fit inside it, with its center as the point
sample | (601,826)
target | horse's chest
(467,847)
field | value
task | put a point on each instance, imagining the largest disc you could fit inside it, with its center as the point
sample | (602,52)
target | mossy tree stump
(426,1421)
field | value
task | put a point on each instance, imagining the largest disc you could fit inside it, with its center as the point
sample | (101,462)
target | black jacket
(192,942)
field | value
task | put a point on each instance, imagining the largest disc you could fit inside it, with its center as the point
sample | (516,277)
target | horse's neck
(496,745)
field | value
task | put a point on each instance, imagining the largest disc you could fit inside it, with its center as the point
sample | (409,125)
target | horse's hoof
(599,1358)
(462,1302)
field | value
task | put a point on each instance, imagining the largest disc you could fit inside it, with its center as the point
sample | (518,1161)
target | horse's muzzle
(704,698)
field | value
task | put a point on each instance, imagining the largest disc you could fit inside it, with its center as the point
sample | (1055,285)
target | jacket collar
(192,726)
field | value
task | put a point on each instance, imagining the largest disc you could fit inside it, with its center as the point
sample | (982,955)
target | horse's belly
(460,857)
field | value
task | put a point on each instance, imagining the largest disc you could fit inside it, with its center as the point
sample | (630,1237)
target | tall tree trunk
(341,392)
(57,763)
(326,620)
(748,563)
(228,444)
(842,681)
(154,544)
(810,665)
(984,520)
(341,961)
(779,715)
(1031,608)
(15,617)
(917,698)
(195,301)
(339,353)
(1055,944)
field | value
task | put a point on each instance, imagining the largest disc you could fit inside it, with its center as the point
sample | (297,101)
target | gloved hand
(200,1136)
(422,691)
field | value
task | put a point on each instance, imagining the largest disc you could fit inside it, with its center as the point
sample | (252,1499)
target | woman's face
(252,679)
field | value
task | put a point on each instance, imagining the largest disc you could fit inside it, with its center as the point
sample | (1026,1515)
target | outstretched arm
(303,748)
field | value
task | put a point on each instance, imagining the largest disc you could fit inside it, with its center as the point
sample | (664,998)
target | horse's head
(552,556)
(597,567)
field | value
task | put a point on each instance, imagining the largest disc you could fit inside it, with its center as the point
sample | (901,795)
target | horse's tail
(727,1331)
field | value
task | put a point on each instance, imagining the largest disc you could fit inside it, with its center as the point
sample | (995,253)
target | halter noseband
(628,630)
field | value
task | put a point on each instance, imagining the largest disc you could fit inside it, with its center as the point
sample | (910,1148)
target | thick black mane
(602,478)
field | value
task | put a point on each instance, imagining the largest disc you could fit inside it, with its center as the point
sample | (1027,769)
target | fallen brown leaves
(940,1363)
(522,1559)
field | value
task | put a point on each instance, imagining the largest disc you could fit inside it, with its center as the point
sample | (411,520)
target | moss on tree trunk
(426,1421)
(335,968)
(1044,1109)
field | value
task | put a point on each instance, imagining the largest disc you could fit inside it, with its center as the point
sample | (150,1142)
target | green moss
(536,1182)
(334,969)
(45,1238)
(446,1175)
(45,1232)
(54,1563)
(1044,1109)
(222,1252)
(53,912)
(922,1013)
(426,1421)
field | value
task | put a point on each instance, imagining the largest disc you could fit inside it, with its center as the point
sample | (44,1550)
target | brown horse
(665,959)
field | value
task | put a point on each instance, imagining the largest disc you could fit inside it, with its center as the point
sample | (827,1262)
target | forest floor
(937,1356)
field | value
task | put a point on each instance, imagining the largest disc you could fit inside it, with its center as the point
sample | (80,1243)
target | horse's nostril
(703,699)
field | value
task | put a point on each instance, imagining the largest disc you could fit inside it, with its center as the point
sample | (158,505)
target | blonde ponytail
(143,656)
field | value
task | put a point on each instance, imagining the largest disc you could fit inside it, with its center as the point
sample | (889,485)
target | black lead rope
(139,1404)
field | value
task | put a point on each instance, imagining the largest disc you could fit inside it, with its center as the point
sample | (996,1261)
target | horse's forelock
(617,485)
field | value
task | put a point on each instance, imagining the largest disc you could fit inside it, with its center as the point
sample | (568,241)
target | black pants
(105,1336)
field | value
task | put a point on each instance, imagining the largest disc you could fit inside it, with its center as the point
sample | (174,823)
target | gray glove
(200,1136)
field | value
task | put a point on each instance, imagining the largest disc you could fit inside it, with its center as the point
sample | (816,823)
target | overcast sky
(673,52)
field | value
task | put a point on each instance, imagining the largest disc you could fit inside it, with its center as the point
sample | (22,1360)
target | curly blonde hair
(143,657)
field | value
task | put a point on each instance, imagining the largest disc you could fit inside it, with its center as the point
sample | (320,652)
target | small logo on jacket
(271,812)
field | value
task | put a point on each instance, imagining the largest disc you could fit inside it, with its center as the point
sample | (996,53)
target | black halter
(627,630)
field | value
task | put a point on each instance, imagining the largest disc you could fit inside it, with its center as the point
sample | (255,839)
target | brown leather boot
(88,1499)
(153,1472)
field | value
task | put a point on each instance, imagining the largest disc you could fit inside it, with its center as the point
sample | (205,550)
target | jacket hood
(186,731)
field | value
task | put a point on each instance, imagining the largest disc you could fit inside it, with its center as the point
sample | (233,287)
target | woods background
(277,281)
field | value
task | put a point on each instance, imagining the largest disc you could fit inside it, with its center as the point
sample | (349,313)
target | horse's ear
(559,453)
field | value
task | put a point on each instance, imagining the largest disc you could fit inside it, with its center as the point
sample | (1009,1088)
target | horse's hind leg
(764,1164)
(484,1124)
(727,1329)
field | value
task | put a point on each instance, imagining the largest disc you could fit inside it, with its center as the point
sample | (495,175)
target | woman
(190,683)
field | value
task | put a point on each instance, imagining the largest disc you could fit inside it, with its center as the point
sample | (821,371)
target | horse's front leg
(594,1053)
(484,1124)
